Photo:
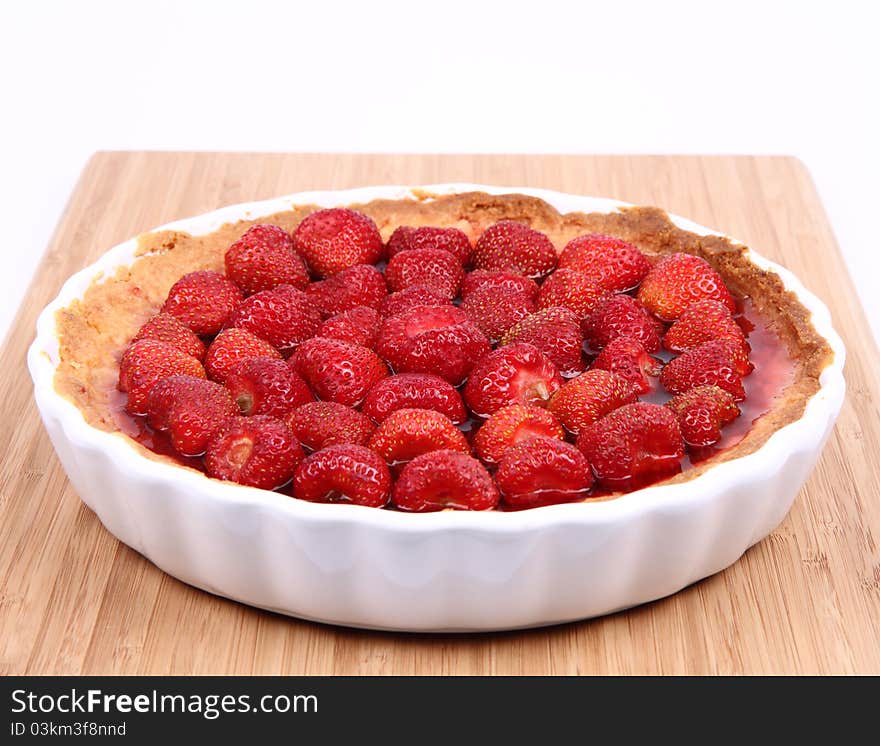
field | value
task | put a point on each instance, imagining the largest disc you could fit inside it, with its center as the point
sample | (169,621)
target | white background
(640,77)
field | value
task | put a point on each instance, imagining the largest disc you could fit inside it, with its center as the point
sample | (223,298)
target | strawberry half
(453,240)
(148,361)
(495,310)
(678,280)
(358,325)
(576,291)
(433,268)
(704,321)
(265,385)
(263,258)
(230,347)
(556,332)
(444,479)
(634,445)
(343,473)
(414,391)
(713,363)
(407,433)
(360,285)
(610,262)
(336,239)
(202,301)
(627,358)
(621,316)
(516,374)
(702,412)
(285,317)
(591,395)
(508,245)
(338,371)
(543,471)
(319,424)
(513,424)
(165,328)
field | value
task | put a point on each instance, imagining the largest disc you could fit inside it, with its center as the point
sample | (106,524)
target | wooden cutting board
(806,600)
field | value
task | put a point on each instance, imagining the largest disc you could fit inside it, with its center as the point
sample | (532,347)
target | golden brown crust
(93,331)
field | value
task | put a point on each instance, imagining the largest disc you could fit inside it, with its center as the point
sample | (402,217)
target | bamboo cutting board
(806,600)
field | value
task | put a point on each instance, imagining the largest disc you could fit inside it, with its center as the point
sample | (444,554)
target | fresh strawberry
(359,325)
(319,424)
(583,400)
(333,240)
(628,358)
(263,258)
(257,451)
(444,479)
(556,332)
(453,240)
(202,301)
(621,316)
(407,433)
(543,471)
(338,371)
(231,346)
(165,328)
(711,364)
(440,340)
(413,297)
(148,361)
(701,412)
(266,385)
(513,424)
(360,285)
(495,310)
(433,268)
(573,290)
(285,317)
(610,262)
(191,409)
(516,374)
(508,245)
(343,473)
(414,391)
(633,446)
(499,279)
(678,280)
(702,322)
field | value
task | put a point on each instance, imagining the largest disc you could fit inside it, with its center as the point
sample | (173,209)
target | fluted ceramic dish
(447,571)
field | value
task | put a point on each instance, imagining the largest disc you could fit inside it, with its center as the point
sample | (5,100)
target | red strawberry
(610,262)
(444,479)
(573,290)
(556,332)
(433,268)
(265,385)
(263,258)
(440,340)
(165,328)
(628,358)
(319,424)
(360,285)
(231,346)
(359,325)
(495,310)
(513,424)
(711,364)
(701,412)
(343,473)
(452,240)
(407,433)
(678,280)
(621,316)
(191,409)
(543,471)
(413,297)
(516,374)
(583,400)
(633,446)
(257,451)
(414,391)
(148,361)
(509,245)
(338,371)
(202,301)
(702,322)
(333,240)
(285,317)
(498,279)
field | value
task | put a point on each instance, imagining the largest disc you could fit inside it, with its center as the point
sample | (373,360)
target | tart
(468,351)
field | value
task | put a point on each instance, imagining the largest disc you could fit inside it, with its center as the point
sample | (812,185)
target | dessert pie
(460,351)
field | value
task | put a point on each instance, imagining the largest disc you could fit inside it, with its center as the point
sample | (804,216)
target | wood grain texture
(806,600)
